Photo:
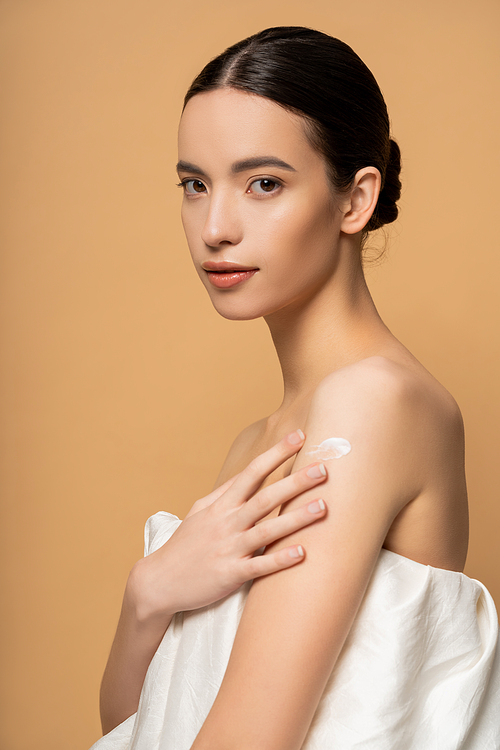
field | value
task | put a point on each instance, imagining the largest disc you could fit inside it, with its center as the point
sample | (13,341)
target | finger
(204,502)
(269,531)
(215,494)
(251,478)
(269,498)
(263,565)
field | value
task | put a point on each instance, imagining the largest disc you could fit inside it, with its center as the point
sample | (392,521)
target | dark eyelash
(277,182)
(185,181)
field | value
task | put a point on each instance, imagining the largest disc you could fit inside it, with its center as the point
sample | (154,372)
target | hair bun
(386,210)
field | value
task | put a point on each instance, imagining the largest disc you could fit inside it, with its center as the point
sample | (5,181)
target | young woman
(373,637)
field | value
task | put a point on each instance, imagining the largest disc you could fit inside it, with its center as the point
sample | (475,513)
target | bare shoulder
(398,414)
(393,394)
(409,434)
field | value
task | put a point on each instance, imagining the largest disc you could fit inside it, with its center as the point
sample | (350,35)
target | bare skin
(345,375)
(431,529)
(330,322)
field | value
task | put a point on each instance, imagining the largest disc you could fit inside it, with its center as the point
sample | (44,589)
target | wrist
(140,599)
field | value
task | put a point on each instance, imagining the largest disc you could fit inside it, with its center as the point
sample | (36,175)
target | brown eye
(194,186)
(264,185)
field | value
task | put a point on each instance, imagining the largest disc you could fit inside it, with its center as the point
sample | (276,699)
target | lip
(225,266)
(230,278)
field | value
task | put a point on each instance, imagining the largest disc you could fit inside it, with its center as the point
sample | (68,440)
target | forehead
(228,125)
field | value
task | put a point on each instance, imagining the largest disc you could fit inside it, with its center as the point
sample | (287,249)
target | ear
(361,200)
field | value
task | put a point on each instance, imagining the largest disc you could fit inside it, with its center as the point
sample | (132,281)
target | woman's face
(260,217)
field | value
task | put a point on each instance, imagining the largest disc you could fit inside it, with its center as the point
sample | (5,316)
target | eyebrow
(240,166)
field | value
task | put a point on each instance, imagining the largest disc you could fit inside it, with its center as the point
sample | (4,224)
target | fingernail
(315,472)
(316,507)
(296,437)
(296,552)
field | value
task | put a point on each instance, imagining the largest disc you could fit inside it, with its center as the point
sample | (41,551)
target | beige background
(121,388)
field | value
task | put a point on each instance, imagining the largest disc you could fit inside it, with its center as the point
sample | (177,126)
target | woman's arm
(134,646)
(294,625)
(208,556)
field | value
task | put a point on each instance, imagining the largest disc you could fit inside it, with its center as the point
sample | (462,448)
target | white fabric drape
(420,669)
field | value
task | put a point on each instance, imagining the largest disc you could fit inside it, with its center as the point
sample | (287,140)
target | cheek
(185,223)
(192,228)
(300,237)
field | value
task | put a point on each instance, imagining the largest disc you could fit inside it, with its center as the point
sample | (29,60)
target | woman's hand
(211,554)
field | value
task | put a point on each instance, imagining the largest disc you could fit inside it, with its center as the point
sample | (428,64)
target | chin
(238,312)
(250,304)
(236,307)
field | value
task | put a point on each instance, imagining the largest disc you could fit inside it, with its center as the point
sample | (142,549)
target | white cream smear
(333,447)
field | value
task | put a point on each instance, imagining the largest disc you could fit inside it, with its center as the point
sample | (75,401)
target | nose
(223,223)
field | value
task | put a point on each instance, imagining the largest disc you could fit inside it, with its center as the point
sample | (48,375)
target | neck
(336,326)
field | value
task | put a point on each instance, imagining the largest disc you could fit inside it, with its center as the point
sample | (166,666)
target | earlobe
(363,198)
